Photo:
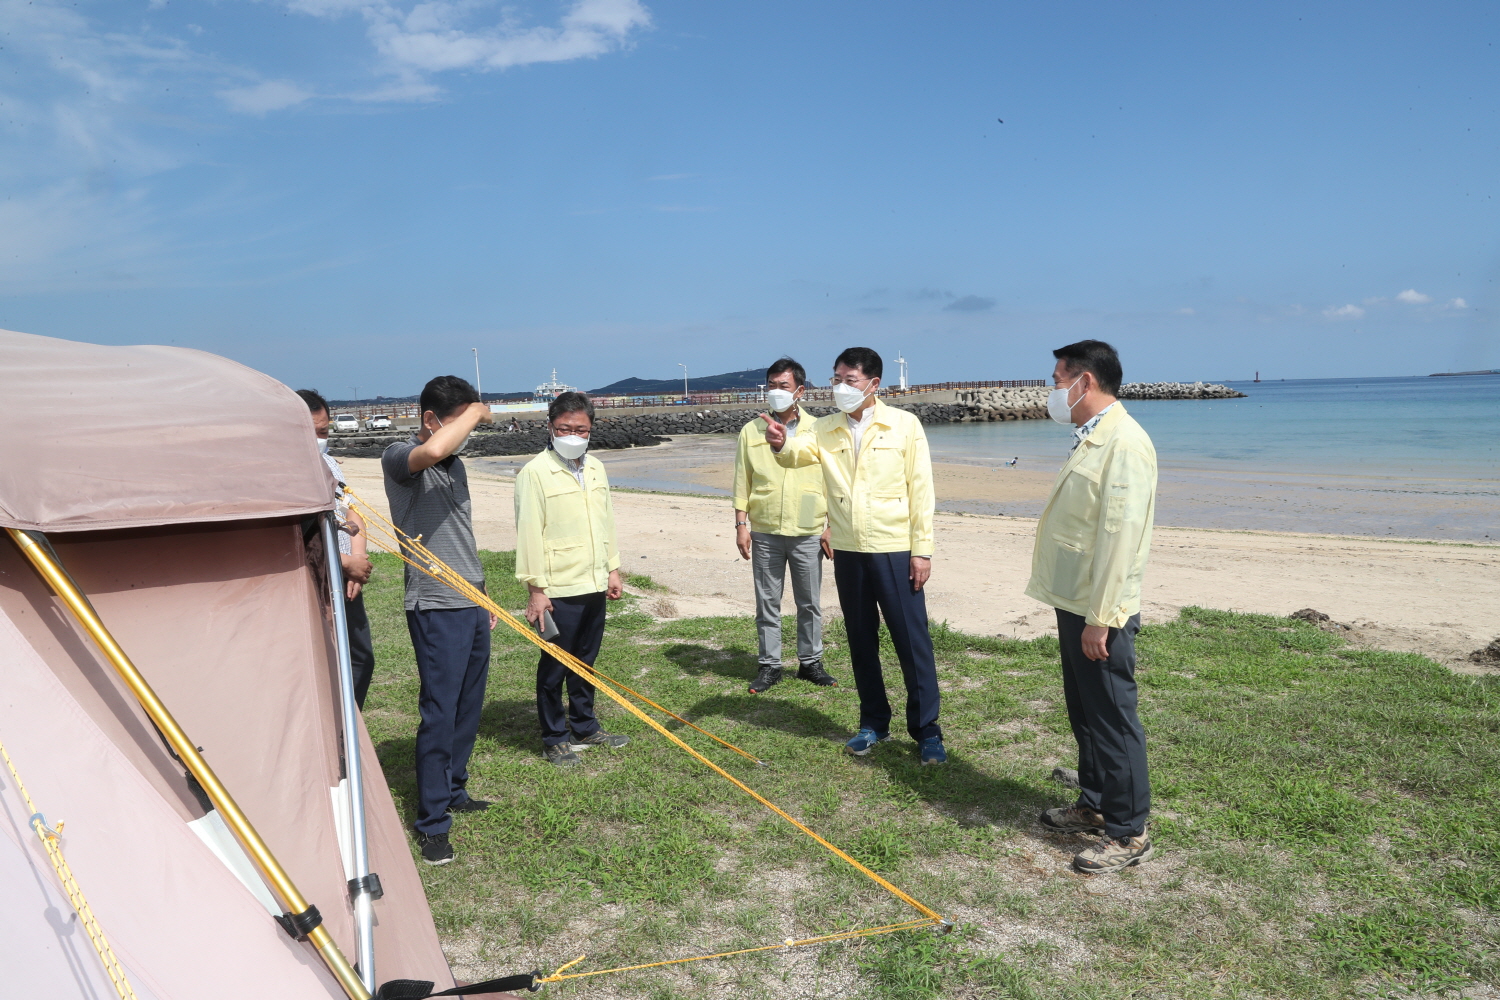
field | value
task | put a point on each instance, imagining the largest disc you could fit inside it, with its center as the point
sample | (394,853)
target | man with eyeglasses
(877,476)
(568,557)
(779,522)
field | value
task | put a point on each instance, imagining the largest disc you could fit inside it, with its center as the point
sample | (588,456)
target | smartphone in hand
(547,627)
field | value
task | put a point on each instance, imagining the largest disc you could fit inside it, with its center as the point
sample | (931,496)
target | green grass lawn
(1324,820)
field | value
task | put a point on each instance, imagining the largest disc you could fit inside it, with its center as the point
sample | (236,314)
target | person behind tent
(569,560)
(427,487)
(877,475)
(780,520)
(353,556)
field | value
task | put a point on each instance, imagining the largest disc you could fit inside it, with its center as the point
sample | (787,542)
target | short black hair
(570,402)
(445,394)
(1095,357)
(783,365)
(863,358)
(313,399)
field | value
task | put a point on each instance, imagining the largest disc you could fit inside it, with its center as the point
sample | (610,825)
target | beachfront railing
(815,394)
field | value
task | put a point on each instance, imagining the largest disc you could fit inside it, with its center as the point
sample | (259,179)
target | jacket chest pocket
(1074,512)
(884,467)
(567,509)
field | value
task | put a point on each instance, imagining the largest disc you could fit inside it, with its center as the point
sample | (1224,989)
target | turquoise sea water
(1424,426)
(1416,457)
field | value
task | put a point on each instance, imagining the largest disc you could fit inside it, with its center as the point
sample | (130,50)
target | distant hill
(750,380)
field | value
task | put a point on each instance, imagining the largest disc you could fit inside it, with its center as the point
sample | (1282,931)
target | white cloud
(437,35)
(1412,297)
(270,95)
(1350,311)
(1457,304)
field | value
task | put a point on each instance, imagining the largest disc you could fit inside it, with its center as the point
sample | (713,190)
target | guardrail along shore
(980,404)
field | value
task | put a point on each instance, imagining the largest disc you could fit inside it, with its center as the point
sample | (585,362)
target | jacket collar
(1100,436)
(1106,425)
(560,465)
(880,414)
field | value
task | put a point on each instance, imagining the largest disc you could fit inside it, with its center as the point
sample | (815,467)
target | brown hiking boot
(1111,855)
(1072,819)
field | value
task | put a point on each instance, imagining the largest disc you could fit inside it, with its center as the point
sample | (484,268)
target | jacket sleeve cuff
(922,549)
(1116,622)
(613,564)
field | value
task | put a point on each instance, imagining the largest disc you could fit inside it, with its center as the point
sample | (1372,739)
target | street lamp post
(684,381)
(478,385)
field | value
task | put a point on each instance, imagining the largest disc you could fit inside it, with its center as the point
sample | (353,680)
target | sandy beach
(1440,599)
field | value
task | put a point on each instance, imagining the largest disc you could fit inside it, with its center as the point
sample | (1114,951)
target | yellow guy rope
(49,839)
(380,530)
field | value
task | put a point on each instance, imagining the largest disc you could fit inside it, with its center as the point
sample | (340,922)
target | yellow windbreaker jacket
(780,501)
(1094,535)
(565,534)
(883,501)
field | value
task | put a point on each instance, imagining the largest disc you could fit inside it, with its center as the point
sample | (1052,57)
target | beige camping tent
(177,489)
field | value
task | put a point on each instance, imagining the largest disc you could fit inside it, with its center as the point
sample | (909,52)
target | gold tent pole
(62,584)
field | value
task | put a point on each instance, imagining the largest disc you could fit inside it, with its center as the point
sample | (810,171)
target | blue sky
(357,192)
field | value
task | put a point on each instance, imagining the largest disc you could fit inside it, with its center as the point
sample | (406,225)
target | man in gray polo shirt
(428,491)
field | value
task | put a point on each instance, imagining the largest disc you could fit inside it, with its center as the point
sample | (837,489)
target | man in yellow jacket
(877,475)
(1089,558)
(779,519)
(567,556)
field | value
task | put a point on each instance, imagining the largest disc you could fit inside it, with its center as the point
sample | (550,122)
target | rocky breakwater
(1178,390)
(644,429)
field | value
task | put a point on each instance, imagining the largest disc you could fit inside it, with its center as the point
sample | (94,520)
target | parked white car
(378,422)
(346,422)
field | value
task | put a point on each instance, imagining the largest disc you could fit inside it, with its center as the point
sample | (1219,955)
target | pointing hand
(775,432)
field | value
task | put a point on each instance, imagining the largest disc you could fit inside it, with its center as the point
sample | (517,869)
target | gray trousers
(769,557)
(1102,707)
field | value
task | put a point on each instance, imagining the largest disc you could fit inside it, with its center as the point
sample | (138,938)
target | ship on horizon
(1482,371)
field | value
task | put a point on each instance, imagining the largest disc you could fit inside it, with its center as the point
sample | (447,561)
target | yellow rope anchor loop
(51,839)
(388,536)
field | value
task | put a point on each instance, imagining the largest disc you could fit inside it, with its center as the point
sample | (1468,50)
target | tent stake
(41,557)
(364,916)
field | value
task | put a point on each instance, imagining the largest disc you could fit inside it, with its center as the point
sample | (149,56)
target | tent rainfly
(180,498)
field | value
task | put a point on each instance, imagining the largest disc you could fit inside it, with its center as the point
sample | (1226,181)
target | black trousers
(1102,700)
(580,628)
(453,663)
(361,649)
(875,583)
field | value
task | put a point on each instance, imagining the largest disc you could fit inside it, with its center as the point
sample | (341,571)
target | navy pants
(453,662)
(871,584)
(1101,697)
(580,628)
(361,650)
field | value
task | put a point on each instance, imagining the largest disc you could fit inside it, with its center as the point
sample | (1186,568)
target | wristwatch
(741,524)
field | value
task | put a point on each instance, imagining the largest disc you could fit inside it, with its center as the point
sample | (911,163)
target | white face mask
(1058,407)
(780,400)
(570,446)
(461,445)
(323,445)
(848,398)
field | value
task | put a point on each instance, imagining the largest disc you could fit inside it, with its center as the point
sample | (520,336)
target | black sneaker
(599,738)
(470,806)
(561,755)
(435,849)
(767,677)
(815,673)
